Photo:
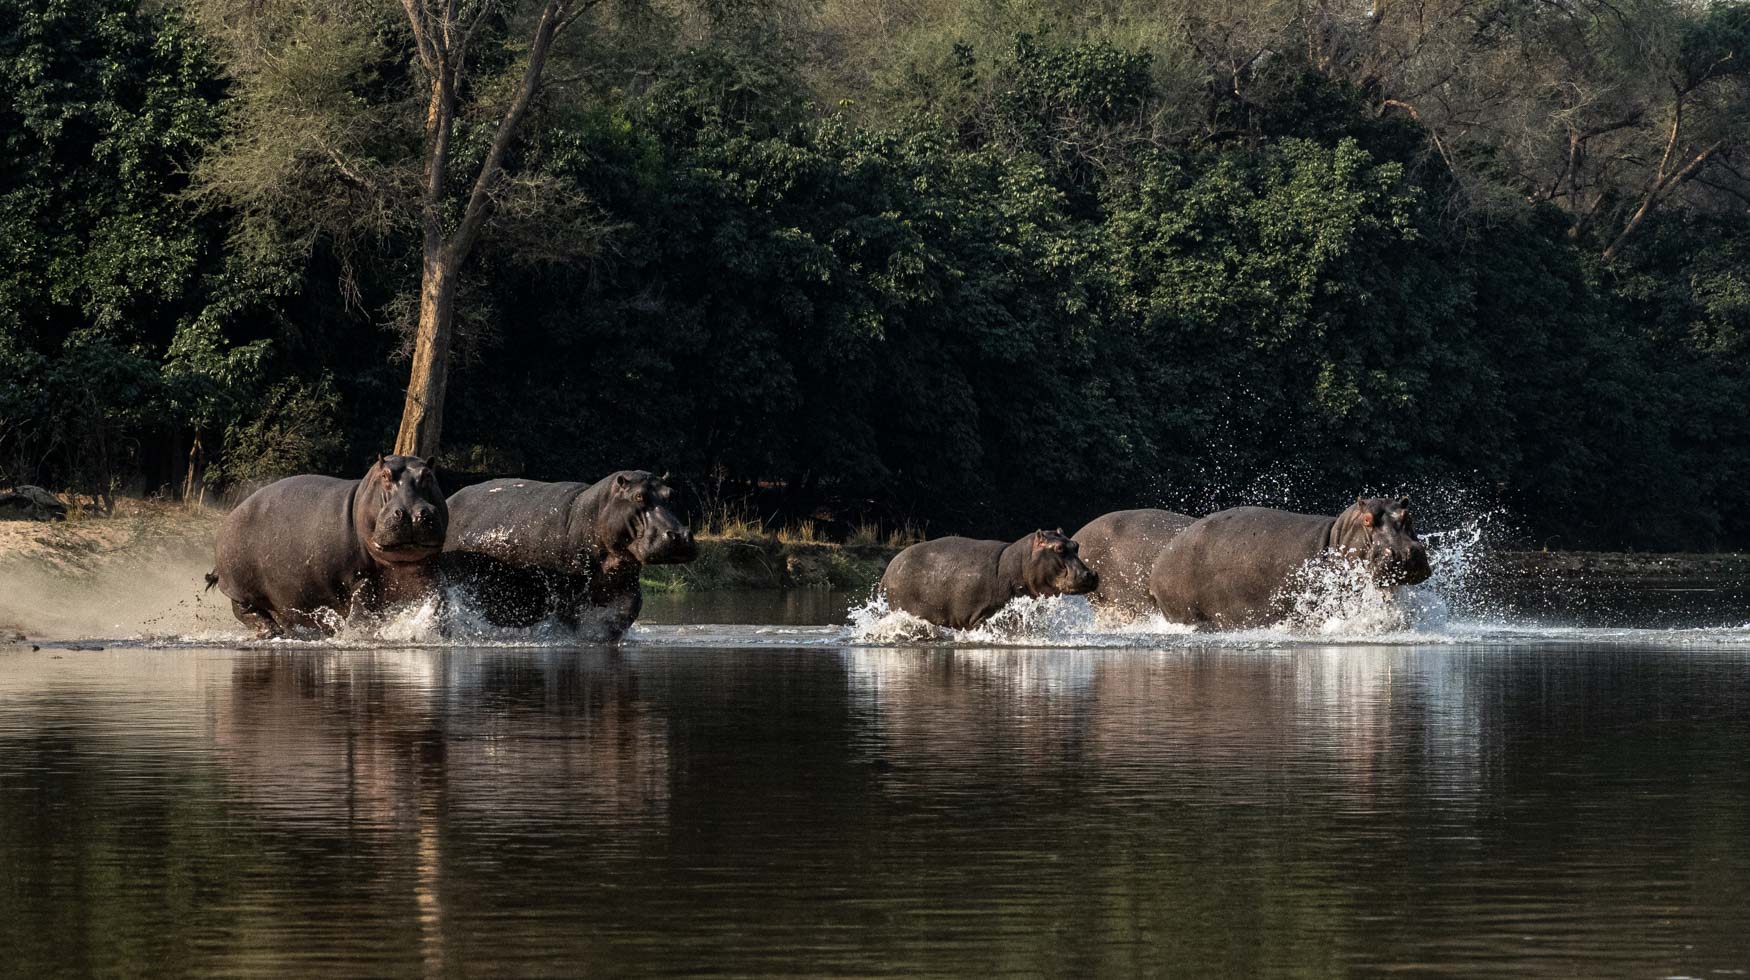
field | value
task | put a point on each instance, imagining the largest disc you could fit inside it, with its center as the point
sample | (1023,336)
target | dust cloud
(134,576)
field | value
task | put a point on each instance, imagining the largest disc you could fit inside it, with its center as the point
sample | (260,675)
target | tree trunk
(422,415)
(197,459)
(442,43)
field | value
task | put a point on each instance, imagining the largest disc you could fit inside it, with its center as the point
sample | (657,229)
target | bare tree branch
(1689,170)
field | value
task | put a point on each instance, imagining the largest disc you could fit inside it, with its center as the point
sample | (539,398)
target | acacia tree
(1605,108)
(351,122)
(442,32)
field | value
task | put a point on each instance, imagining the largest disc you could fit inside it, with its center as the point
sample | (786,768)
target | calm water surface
(724,797)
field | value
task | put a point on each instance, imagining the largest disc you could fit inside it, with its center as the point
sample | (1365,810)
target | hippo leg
(264,626)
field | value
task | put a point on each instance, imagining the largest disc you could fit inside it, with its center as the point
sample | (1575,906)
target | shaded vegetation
(978,266)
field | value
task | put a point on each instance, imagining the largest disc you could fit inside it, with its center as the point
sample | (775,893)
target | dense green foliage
(1011,275)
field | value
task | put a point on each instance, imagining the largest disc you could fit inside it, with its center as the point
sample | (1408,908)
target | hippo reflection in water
(308,551)
(960,582)
(1231,569)
(524,551)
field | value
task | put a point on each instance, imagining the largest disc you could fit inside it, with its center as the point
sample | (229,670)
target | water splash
(1334,596)
(1328,600)
(1031,618)
(1024,620)
(876,622)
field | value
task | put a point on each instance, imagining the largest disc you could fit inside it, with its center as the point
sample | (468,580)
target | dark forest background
(978,265)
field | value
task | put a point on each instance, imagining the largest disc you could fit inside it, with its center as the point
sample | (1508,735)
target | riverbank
(157,537)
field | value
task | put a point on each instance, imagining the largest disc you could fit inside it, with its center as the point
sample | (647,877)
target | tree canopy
(983,265)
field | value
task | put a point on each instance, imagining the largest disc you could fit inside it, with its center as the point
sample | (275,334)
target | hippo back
(949,581)
(1228,569)
(524,522)
(1121,547)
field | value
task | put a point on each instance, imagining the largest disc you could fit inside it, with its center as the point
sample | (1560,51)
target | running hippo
(959,582)
(307,544)
(1228,570)
(1121,548)
(523,551)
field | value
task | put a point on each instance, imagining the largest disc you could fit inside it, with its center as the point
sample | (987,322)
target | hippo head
(1053,567)
(401,511)
(637,520)
(1378,530)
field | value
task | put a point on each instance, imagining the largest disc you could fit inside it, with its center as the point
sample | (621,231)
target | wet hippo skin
(524,551)
(307,544)
(1121,548)
(1229,570)
(960,582)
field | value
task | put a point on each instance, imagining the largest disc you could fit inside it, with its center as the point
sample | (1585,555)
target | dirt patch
(137,571)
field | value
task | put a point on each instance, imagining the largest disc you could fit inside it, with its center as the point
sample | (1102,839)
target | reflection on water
(875,811)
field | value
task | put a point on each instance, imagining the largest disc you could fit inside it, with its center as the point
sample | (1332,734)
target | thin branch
(475,213)
(1725,188)
(1432,134)
(1689,170)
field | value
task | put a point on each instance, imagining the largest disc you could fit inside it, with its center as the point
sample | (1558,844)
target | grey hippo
(306,544)
(1121,548)
(1229,570)
(961,582)
(523,551)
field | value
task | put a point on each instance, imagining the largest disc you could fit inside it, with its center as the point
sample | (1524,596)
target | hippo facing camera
(306,551)
(524,550)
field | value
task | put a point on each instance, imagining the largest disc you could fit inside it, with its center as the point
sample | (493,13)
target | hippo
(308,552)
(1229,570)
(961,582)
(1121,548)
(522,551)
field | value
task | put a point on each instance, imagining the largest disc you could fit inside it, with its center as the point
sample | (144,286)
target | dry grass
(730,523)
(803,532)
(874,536)
(735,522)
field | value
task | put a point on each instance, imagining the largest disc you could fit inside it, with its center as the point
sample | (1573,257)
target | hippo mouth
(1404,573)
(676,550)
(1080,584)
(417,548)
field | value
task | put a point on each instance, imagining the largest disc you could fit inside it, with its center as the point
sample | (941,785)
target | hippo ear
(1038,540)
(621,481)
(1404,502)
(1367,518)
(1361,501)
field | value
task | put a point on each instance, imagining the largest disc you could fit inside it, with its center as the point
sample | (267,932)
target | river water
(750,786)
